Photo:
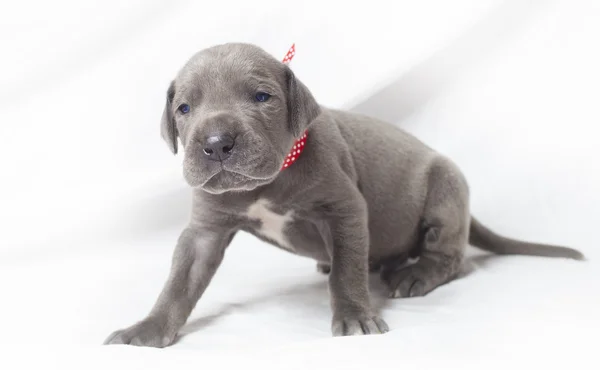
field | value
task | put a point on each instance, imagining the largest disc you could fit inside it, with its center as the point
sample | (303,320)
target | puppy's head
(237,111)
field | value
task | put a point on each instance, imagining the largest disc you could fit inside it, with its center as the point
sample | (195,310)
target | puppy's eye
(262,96)
(184,108)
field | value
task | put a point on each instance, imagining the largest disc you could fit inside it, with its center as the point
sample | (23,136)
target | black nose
(218,147)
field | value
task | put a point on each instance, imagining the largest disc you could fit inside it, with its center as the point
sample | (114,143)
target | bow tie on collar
(295,152)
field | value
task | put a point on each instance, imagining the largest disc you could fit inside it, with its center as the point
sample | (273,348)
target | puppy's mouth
(229,180)
(237,175)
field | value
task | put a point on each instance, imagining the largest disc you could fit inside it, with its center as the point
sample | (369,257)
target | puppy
(351,192)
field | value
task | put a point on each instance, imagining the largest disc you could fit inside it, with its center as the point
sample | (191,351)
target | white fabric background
(91,201)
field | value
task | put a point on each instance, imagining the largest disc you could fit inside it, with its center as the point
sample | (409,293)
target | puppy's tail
(484,238)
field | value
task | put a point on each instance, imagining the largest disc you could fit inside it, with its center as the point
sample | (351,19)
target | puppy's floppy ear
(302,106)
(168,130)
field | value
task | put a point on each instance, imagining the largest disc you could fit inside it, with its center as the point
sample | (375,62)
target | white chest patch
(272,224)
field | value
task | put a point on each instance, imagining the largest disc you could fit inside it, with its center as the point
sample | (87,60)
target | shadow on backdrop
(409,92)
(303,297)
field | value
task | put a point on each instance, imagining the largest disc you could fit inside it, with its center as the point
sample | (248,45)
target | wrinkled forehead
(229,67)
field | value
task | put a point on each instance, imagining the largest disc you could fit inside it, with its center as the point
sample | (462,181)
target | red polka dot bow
(295,152)
(301,142)
(290,54)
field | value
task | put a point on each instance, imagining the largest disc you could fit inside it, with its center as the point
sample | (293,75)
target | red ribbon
(290,54)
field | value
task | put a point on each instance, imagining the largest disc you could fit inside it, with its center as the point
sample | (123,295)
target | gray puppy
(355,194)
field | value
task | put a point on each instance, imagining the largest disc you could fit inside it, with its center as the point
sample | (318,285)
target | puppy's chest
(270,224)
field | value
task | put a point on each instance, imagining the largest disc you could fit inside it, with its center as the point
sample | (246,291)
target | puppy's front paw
(358,325)
(146,333)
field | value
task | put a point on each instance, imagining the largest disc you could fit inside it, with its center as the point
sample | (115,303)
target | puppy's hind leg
(444,235)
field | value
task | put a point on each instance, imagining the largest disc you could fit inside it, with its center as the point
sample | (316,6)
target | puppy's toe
(361,325)
(146,333)
(408,282)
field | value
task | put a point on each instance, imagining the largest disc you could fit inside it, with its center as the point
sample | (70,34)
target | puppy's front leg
(197,256)
(348,279)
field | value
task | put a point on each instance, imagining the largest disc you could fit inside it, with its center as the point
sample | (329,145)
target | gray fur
(364,195)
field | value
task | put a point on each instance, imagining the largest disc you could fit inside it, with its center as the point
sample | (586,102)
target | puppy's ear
(168,130)
(302,106)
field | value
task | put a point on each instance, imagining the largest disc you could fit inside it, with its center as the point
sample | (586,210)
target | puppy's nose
(218,147)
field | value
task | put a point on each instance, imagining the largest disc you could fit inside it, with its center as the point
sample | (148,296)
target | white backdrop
(91,201)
